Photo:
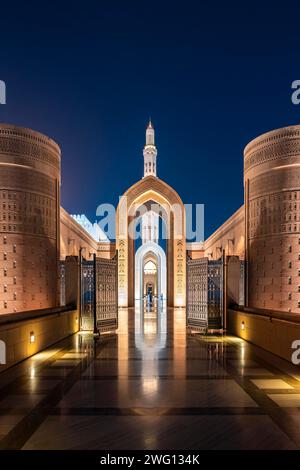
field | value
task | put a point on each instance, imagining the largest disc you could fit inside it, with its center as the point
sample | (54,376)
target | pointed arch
(153,189)
(158,252)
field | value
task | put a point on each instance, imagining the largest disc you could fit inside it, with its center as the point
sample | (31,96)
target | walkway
(151,386)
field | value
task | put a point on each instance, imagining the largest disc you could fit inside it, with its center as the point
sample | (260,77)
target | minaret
(150,152)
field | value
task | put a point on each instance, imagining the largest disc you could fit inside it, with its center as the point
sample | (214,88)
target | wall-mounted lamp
(32,337)
(243,325)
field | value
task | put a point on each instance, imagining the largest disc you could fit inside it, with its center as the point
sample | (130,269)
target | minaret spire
(150,151)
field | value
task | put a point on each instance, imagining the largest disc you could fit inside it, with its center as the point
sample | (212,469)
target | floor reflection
(151,385)
(150,328)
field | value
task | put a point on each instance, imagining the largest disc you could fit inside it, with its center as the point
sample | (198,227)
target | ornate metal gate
(99,297)
(87,295)
(242,283)
(215,294)
(205,294)
(106,294)
(197,271)
(62,282)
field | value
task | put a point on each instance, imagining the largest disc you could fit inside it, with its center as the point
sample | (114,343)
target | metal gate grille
(99,284)
(197,293)
(87,295)
(215,294)
(62,283)
(242,283)
(205,294)
(106,294)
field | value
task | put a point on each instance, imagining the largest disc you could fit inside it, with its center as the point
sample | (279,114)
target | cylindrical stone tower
(272,217)
(29,219)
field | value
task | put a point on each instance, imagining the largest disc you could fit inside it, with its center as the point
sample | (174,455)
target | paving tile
(286,400)
(271,384)
(171,391)
(166,432)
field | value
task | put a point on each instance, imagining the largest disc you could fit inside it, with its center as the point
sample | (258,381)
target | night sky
(212,77)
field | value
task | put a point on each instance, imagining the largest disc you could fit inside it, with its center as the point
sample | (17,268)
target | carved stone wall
(29,219)
(229,237)
(74,237)
(272,207)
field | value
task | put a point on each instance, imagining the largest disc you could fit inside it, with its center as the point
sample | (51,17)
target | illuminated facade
(272,208)
(265,231)
(150,271)
(36,232)
(149,191)
(93,229)
(29,219)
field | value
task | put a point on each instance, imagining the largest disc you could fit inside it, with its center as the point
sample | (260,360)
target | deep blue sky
(212,77)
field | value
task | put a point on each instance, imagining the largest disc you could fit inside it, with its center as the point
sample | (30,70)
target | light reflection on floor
(152,385)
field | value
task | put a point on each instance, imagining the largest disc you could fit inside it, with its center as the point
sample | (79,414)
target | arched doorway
(151,189)
(155,273)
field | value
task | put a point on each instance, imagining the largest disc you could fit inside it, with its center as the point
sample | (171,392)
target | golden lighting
(243,352)
(32,372)
(150,327)
(150,268)
(44,355)
(234,339)
(32,337)
(243,325)
(150,385)
(85,333)
(179,342)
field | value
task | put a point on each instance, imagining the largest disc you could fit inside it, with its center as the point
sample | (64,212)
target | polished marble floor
(153,385)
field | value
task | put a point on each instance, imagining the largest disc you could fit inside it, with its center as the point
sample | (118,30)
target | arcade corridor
(151,386)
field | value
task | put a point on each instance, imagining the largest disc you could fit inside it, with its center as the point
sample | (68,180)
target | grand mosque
(144,339)
(252,261)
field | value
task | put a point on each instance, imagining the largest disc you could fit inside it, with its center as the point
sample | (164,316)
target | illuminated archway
(141,258)
(152,189)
